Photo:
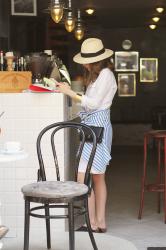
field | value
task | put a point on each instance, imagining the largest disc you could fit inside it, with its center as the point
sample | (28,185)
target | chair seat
(54,189)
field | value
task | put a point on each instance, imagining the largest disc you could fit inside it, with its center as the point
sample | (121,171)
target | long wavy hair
(95,68)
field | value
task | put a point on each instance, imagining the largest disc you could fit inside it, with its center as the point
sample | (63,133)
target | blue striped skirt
(102,157)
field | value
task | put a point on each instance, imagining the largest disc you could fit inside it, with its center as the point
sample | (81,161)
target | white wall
(26,114)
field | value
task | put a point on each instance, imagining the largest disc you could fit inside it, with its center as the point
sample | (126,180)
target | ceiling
(125,13)
(118,13)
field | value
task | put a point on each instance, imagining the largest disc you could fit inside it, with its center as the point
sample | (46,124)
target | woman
(100,90)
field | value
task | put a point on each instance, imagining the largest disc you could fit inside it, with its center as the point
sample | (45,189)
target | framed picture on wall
(148,69)
(127,84)
(24,7)
(126,60)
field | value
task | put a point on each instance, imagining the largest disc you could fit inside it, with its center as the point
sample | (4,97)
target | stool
(160,185)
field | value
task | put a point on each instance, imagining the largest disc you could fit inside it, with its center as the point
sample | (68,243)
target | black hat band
(98,53)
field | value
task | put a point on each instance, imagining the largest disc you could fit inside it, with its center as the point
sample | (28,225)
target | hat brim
(86,60)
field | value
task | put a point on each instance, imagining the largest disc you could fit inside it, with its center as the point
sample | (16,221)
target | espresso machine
(39,64)
(44,65)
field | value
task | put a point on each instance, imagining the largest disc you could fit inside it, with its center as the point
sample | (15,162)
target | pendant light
(152,26)
(90,11)
(79,29)
(70,19)
(160,9)
(156,19)
(57,10)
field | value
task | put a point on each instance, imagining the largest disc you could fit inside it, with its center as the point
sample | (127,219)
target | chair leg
(71,227)
(26,225)
(143,180)
(159,178)
(89,226)
(47,213)
(141,204)
(165,179)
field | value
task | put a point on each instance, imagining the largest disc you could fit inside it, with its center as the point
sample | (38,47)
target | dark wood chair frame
(160,185)
(73,210)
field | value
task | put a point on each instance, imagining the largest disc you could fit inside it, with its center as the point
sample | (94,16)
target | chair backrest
(51,131)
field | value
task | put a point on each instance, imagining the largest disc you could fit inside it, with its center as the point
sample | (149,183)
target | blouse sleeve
(105,87)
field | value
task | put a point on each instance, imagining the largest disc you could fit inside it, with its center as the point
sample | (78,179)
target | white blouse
(99,94)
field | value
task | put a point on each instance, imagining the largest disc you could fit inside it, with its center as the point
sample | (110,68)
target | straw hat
(92,50)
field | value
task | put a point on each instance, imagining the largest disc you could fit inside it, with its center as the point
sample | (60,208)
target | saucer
(5,151)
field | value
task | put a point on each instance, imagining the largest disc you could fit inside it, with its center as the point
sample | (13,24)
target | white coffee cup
(12,146)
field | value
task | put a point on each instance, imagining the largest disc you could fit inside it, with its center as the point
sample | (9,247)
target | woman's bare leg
(92,210)
(91,203)
(100,192)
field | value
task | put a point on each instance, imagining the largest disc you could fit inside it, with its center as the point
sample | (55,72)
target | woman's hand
(63,87)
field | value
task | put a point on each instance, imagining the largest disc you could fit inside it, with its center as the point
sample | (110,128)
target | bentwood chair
(59,194)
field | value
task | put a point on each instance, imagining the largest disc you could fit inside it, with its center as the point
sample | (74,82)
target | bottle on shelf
(21,63)
(1,61)
(16,64)
(25,64)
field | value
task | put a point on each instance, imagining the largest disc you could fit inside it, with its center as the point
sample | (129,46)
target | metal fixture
(156,19)
(79,29)
(90,11)
(56,9)
(160,9)
(152,26)
(70,19)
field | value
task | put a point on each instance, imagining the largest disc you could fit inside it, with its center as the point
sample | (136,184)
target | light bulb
(155,19)
(160,9)
(69,22)
(89,11)
(152,26)
(79,31)
(56,11)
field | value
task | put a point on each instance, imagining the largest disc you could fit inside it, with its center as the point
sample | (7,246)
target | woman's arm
(104,90)
(66,89)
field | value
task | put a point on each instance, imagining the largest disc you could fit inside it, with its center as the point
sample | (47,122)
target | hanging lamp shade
(90,11)
(156,19)
(70,22)
(56,10)
(152,26)
(79,29)
(70,19)
(160,9)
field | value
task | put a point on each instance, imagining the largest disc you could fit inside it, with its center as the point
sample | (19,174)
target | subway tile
(23,123)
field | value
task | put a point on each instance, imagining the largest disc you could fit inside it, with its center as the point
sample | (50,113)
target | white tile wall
(25,115)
